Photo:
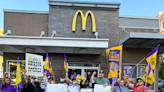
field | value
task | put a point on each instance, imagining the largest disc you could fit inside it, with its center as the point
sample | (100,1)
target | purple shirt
(8,88)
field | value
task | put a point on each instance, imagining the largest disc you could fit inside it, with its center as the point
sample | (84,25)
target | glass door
(85,70)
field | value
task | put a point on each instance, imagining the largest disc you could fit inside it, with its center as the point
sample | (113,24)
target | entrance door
(85,70)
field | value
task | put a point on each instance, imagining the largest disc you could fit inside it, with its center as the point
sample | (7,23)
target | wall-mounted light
(53,33)
(8,32)
(96,34)
(155,31)
(42,33)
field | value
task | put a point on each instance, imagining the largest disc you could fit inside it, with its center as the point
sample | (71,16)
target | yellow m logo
(84,20)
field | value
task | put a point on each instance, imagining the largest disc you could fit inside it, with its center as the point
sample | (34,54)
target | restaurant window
(138,72)
(132,76)
(12,65)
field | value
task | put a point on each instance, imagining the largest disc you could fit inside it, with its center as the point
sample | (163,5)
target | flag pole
(139,63)
(146,77)
(52,71)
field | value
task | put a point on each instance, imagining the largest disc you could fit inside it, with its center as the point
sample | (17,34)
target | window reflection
(12,70)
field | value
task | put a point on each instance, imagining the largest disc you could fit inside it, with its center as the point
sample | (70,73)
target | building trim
(142,35)
(139,27)
(26,11)
(54,41)
(85,4)
(140,17)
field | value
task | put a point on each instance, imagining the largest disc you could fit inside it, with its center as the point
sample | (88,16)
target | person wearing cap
(139,87)
(62,80)
(47,80)
(100,80)
(120,87)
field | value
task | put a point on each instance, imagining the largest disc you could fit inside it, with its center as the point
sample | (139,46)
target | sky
(128,7)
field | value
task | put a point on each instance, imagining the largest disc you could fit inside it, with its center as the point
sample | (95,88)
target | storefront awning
(143,40)
(52,44)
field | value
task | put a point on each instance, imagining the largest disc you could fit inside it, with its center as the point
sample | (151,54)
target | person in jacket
(34,85)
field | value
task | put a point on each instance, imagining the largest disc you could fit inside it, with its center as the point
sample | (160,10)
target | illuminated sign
(84,20)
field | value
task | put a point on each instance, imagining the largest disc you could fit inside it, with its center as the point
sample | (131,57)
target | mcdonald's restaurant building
(83,31)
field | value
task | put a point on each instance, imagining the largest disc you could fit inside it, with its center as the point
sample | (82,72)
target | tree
(161,66)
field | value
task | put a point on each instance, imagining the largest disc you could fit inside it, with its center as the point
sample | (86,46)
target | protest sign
(34,64)
(101,88)
(56,88)
(86,90)
(74,88)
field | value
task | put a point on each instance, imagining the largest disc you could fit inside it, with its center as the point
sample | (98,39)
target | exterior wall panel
(25,24)
(107,22)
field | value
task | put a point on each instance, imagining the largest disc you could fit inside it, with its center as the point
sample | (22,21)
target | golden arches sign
(84,20)
(1,32)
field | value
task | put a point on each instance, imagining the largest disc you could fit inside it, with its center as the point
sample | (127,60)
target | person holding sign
(47,80)
(139,87)
(34,85)
(6,84)
(74,82)
(101,80)
(120,88)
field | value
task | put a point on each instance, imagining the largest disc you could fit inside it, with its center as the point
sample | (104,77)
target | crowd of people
(32,84)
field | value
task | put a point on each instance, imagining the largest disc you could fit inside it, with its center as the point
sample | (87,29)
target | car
(160,83)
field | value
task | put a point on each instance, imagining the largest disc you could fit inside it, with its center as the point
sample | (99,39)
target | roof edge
(26,11)
(85,4)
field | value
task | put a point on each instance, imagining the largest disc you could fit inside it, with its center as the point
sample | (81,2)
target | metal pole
(146,77)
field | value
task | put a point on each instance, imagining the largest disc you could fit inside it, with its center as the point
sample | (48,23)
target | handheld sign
(56,88)
(101,88)
(34,64)
(74,88)
(86,90)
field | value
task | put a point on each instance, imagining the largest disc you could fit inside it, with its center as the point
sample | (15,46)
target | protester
(74,82)
(139,87)
(88,75)
(26,77)
(5,84)
(120,88)
(25,80)
(67,80)
(34,85)
(47,80)
(92,84)
(62,80)
(101,80)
